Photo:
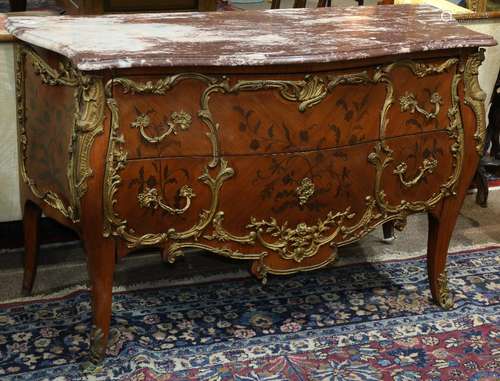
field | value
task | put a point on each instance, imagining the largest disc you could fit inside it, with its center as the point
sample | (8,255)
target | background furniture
(17,5)
(162,144)
(276,4)
(487,22)
(491,159)
(96,7)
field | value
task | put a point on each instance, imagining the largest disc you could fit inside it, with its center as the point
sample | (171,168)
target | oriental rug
(358,322)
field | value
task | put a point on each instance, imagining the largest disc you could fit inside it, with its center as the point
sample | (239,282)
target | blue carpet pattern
(359,322)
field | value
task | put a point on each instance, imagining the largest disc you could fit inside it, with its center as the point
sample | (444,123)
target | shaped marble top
(270,37)
(4,35)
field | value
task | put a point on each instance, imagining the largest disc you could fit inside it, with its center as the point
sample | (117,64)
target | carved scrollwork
(474,97)
(302,241)
(178,121)
(427,166)
(309,92)
(298,243)
(88,120)
(409,103)
(150,198)
(422,69)
(305,190)
(159,87)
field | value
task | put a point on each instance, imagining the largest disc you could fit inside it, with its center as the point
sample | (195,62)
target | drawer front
(249,190)
(291,206)
(419,171)
(298,113)
(196,115)
(155,195)
(46,153)
(288,211)
(421,96)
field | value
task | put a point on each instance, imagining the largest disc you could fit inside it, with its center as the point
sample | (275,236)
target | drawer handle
(305,190)
(427,166)
(409,103)
(178,121)
(151,199)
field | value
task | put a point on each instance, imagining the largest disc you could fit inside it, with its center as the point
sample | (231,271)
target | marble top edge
(257,38)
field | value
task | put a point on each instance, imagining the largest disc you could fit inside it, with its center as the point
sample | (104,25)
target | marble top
(4,35)
(270,37)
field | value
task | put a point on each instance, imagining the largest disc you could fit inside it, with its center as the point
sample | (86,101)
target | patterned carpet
(363,322)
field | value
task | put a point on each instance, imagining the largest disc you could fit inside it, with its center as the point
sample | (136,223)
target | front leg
(31,227)
(101,265)
(443,217)
(440,230)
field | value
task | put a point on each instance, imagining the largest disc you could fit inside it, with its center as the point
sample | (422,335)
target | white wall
(489,69)
(10,208)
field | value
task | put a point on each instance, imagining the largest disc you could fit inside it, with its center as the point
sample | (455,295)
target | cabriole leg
(31,226)
(101,265)
(440,230)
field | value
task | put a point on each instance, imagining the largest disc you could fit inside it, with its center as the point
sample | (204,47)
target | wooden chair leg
(17,5)
(482,186)
(101,264)
(31,225)
(388,229)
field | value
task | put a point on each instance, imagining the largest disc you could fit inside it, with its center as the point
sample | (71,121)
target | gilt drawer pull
(305,190)
(427,166)
(178,120)
(151,199)
(409,103)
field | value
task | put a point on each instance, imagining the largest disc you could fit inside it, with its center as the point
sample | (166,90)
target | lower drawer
(287,211)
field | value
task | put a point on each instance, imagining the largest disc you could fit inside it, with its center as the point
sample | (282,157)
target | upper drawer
(197,115)
(421,96)
(194,115)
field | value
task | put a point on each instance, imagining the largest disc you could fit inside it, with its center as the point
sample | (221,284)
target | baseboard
(11,233)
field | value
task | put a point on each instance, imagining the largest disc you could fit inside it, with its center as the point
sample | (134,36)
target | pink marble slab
(271,37)
(4,35)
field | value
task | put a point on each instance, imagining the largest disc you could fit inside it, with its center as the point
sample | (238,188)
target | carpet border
(235,275)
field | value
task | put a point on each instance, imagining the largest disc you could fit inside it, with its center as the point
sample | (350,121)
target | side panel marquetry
(151,199)
(49,109)
(60,111)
